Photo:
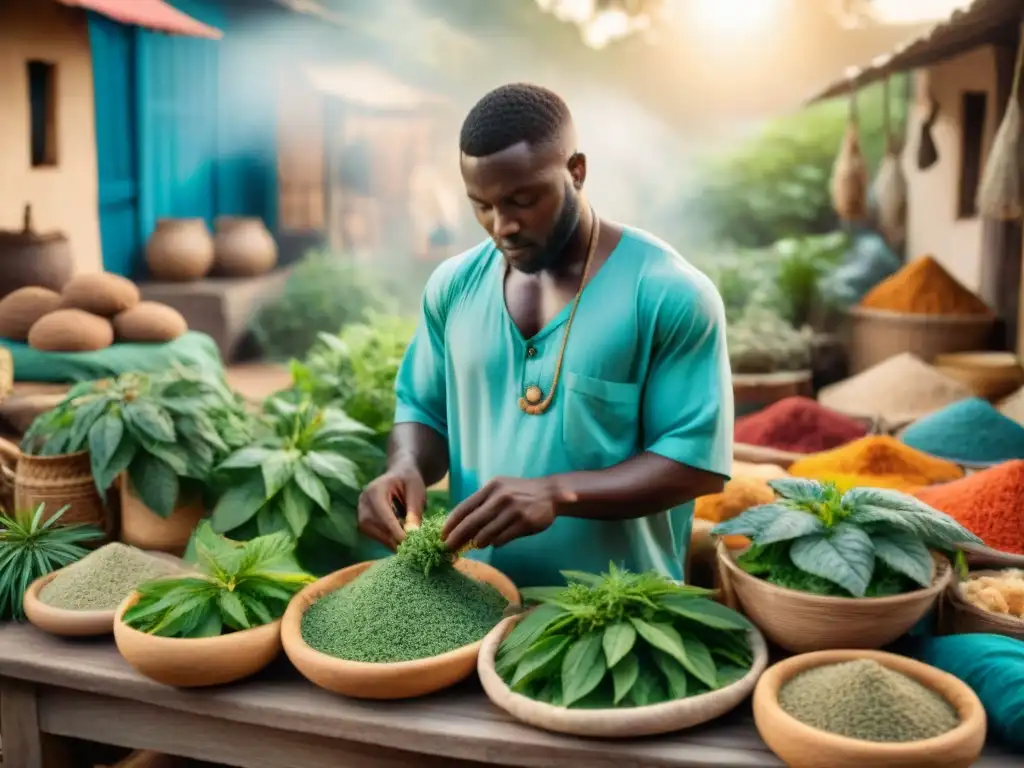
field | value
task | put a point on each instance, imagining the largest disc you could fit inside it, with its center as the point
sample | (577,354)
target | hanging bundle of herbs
(33,545)
(164,430)
(302,476)
(240,586)
(623,640)
(867,542)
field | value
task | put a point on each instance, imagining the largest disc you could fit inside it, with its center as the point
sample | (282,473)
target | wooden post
(24,745)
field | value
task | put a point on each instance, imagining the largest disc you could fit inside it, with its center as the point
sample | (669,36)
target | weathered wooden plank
(24,744)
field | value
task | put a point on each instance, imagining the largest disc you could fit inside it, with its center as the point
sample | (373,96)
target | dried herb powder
(101,580)
(866,700)
(395,612)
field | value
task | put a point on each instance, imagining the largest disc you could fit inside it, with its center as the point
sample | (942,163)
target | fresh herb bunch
(31,547)
(424,549)
(240,586)
(622,640)
(866,542)
(356,369)
(303,476)
(162,429)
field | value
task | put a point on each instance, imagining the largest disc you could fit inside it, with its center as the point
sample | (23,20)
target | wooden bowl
(960,617)
(68,623)
(196,662)
(801,622)
(990,375)
(624,723)
(366,680)
(801,746)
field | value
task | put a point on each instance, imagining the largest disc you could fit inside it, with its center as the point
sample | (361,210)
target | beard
(547,254)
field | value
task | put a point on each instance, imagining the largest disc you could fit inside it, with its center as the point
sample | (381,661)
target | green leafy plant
(761,341)
(356,369)
(302,476)
(623,639)
(240,585)
(32,544)
(164,430)
(866,542)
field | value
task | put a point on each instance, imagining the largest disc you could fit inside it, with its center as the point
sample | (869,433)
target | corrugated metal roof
(151,14)
(983,22)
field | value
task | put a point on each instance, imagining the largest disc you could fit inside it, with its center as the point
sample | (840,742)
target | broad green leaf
(296,507)
(698,661)
(155,483)
(119,462)
(751,522)
(238,505)
(797,489)
(270,520)
(588,579)
(312,486)
(705,611)
(906,554)
(648,688)
(683,647)
(149,421)
(232,610)
(337,526)
(844,556)
(618,640)
(662,636)
(277,470)
(730,673)
(247,458)
(529,628)
(105,437)
(210,626)
(541,594)
(674,672)
(85,418)
(931,526)
(583,668)
(791,524)
(544,654)
(333,467)
(624,675)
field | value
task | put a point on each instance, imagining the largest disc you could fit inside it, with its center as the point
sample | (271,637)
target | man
(565,452)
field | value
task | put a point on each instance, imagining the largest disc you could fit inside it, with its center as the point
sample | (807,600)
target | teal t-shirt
(646,369)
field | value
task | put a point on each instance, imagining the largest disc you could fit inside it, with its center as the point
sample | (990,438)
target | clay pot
(143,528)
(801,746)
(28,258)
(243,247)
(196,662)
(800,621)
(363,680)
(179,250)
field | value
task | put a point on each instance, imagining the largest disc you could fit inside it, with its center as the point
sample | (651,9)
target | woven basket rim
(911,318)
(958,603)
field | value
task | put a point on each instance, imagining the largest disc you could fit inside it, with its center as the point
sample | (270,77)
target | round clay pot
(196,662)
(243,247)
(801,746)
(67,623)
(143,528)
(801,621)
(180,250)
(364,680)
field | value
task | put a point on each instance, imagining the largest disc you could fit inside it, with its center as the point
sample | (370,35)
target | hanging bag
(999,193)
(849,174)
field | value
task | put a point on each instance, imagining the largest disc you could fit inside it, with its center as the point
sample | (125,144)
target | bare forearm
(420,447)
(638,487)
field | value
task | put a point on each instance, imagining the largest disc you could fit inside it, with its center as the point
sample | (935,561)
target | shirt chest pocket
(600,421)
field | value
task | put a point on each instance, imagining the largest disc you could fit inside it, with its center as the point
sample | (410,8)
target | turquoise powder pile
(970,430)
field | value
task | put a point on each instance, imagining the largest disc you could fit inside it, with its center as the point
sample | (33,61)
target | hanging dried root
(1001,191)
(850,175)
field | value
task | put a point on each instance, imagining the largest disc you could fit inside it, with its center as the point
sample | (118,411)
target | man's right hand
(378,518)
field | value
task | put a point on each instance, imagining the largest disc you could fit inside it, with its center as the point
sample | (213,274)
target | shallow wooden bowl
(990,375)
(961,617)
(68,623)
(801,746)
(365,680)
(196,662)
(801,621)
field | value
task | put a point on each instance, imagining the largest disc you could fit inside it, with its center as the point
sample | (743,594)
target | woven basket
(6,373)
(57,481)
(625,723)
(959,617)
(876,335)
(990,375)
(801,622)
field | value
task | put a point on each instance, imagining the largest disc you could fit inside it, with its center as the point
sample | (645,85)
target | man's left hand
(506,508)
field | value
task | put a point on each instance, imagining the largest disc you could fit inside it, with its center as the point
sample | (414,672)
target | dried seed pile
(394,612)
(101,580)
(866,700)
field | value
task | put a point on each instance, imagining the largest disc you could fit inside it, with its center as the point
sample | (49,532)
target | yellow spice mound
(923,287)
(876,460)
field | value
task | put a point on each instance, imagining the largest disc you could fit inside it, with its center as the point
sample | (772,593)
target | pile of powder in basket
(990,504)
(897,391)
(970,431)
(876,461)
(923,287)
(798,425)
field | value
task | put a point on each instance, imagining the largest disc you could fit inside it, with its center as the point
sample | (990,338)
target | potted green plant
(219,624)
(160,435)
(828,569)
(32,544)
(303,476)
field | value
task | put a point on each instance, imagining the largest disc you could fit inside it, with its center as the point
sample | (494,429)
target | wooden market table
(84,690)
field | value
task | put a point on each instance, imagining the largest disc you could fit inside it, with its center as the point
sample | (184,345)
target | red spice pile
(800,425)
(989,504)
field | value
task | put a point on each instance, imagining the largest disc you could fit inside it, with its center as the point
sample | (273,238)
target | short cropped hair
(512,114)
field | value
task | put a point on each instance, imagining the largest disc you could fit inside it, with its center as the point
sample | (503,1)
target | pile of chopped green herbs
(240,586)
(397,611)
(104,578)
(424,549)
(623,640)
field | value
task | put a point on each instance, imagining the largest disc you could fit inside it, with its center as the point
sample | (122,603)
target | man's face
(525,199)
